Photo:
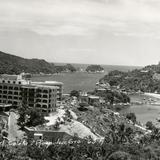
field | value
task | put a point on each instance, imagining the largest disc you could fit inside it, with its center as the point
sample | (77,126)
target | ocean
(86,82)
(81,80)
(144,112)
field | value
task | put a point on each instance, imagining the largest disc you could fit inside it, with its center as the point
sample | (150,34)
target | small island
(95,69)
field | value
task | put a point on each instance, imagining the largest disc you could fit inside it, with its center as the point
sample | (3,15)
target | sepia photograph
(79,80)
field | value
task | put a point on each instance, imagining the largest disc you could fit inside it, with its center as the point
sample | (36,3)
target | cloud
(82,17)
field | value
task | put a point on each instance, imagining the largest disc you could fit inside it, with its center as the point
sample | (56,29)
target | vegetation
(113,96)
(150,126)
(30,117)
(122,140)
(94,68)
(70,68)
(119,144)
(65,68)
(10,64)
(136,80)
(83,106)
(74,93)
(132,117)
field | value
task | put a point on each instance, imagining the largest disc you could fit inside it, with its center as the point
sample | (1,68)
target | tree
(22,111)
(83,106)
(110,97)
(35,117)
(120,134)
(132,117)
(74,93)
(119,155)
(70,68)
(149,125)
(30,117)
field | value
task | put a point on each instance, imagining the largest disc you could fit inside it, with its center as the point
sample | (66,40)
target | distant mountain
(11,64)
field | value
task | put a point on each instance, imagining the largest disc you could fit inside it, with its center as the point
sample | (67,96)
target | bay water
(86,82)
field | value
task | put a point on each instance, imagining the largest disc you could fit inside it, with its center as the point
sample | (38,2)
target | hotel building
(59,86)
(18,91)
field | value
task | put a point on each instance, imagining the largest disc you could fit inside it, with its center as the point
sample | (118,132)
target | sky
(114,32)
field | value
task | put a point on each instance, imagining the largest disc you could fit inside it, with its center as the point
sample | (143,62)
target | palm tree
(119,134)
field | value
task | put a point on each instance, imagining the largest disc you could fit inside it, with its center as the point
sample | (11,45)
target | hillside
(11,64)
(145,79)
(122,139)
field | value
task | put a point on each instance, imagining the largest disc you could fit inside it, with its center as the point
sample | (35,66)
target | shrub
(119,155)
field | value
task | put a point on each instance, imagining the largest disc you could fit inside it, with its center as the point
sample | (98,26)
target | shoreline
(155,95)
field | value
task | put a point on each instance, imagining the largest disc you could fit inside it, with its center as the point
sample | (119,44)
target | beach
(155,95)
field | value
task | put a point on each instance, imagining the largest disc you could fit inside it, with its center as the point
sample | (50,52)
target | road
(13,131)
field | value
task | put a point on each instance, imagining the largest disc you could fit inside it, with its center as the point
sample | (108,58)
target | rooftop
(93,97)
(5,105)
(48,83)
(8,77)
(39,86)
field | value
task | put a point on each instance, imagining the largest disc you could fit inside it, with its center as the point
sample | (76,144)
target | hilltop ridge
(11,64)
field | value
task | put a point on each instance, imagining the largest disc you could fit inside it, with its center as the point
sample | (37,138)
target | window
(38,105)
(45,96)
(15,93)
(39,90)
(15,102)
(4,96)
(4,92)
(38,96)
(16,98)
(10,88)
(38,100)
(31,99)
(5,87)
(45,91)
(31,105)
(45,106)
(44,101)
(10,92)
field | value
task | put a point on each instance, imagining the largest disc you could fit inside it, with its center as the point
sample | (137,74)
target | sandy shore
(153,95)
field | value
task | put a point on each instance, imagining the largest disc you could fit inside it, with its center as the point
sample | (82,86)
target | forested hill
(146,79)
(11,64)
